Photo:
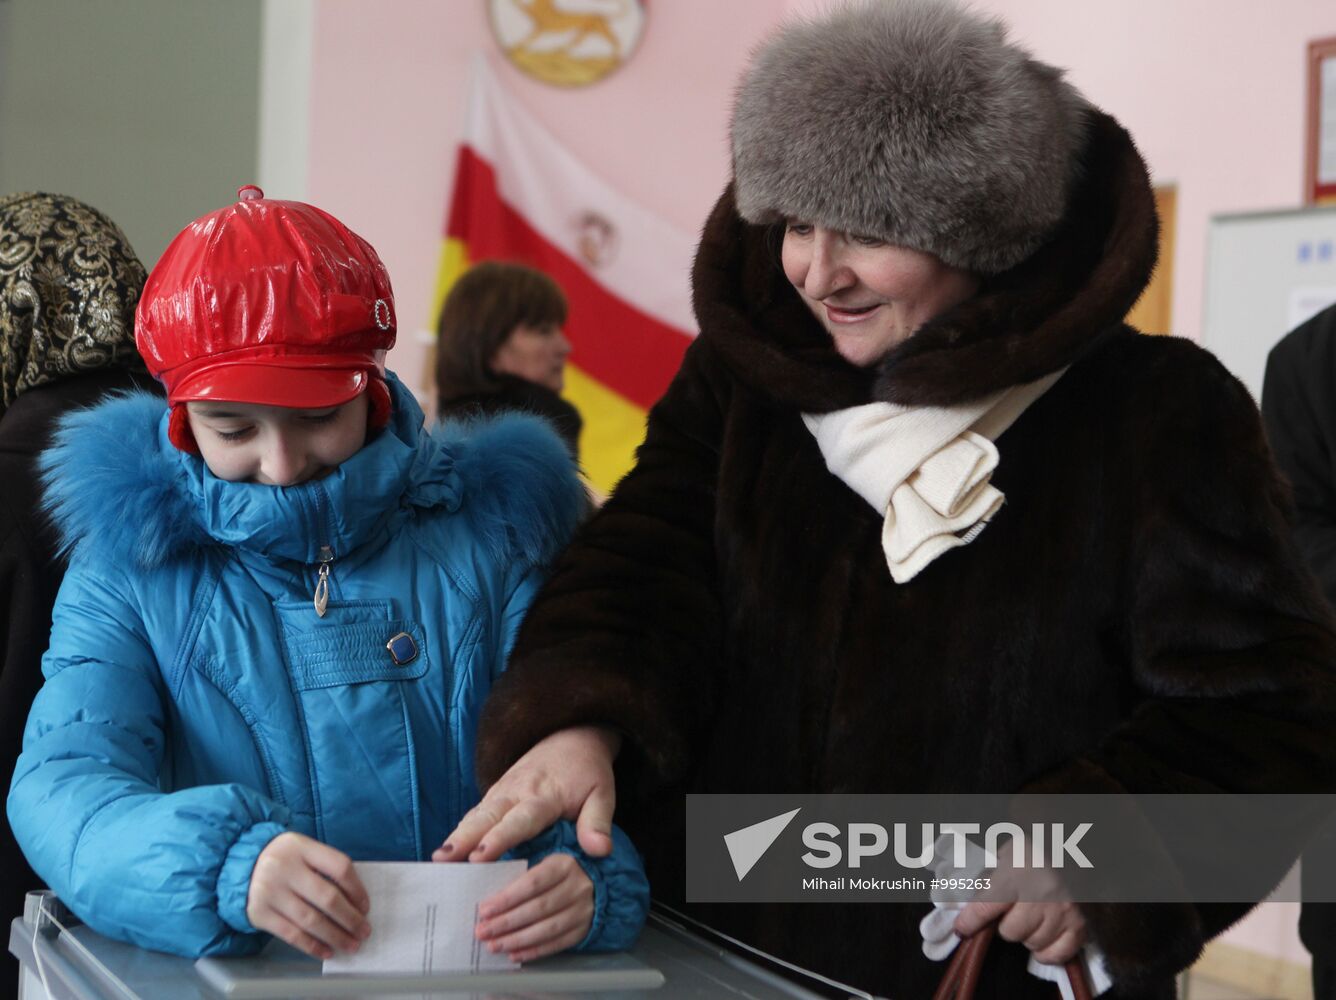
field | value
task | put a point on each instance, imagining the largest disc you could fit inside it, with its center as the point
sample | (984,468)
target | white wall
(146,109)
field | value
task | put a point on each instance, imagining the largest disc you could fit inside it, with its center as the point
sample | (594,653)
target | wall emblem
(567,43)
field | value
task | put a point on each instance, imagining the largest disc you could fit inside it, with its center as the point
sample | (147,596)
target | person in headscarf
(920,513)
(69,284)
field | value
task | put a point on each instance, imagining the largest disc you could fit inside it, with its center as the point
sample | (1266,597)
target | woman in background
(501,347)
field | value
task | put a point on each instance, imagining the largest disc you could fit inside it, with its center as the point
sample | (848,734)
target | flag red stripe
(627,350)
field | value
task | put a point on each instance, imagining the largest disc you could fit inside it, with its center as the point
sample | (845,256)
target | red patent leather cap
(264,301)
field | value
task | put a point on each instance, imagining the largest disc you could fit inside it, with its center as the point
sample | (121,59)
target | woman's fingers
(593,828)
(1054,931)
(1064,949)
(553,781)
(498,823)
(1035,925)
(475,825)
(1021,921)
(978,915)
(522,821)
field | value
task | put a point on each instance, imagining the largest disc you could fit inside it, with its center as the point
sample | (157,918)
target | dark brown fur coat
(1134,618)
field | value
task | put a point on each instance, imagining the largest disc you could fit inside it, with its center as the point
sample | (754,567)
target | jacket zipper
(322,581)
(326,557)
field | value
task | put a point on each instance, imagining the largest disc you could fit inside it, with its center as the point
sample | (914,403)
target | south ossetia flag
(520,195)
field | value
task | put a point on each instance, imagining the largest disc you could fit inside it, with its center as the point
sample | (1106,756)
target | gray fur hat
(914,121)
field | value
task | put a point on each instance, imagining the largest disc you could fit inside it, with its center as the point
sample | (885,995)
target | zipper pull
(322,581)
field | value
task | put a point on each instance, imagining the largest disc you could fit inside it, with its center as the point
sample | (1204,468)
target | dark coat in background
(1134,618)
(519,394)
(69,284)
(30,575)
(1299,412)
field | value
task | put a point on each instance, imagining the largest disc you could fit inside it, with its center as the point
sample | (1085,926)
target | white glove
(940,938)
(1096,975)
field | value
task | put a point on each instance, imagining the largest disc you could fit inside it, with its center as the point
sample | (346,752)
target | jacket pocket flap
(352,644)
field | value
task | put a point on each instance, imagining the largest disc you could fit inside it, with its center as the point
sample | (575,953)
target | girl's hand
(546,910)
(308,894)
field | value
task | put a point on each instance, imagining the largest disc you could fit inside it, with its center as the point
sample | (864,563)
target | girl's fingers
(338,868)
(309,895)
(560,943)
(547,921)
(558,926)
(559,898)
(284,929)
(315,923)
(330,899)
(537,880)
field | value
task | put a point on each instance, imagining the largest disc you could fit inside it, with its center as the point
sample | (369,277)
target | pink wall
(1212,91)
(387,105)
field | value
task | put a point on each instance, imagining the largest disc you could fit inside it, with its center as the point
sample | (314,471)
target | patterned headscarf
(69,283)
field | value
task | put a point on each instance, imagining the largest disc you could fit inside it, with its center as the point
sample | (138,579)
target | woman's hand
(546,910)
(1046,921)
(308,894)
(568,775)
(1053,931)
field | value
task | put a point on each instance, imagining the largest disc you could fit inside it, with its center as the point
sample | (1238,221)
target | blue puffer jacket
(196,706)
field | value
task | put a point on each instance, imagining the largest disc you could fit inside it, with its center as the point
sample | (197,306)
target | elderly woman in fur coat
(922,265)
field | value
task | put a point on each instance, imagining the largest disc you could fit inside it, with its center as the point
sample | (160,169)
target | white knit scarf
(927,468)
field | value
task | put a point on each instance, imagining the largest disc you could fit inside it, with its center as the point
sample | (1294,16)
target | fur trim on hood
(520,476)
(914,121)
(1039,316)
(118,490)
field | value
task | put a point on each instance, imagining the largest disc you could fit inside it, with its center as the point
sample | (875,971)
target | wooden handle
(962,974)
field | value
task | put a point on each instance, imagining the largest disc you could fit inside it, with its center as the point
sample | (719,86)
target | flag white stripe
(543,181)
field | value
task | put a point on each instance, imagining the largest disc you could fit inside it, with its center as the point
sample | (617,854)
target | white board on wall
(1266,272)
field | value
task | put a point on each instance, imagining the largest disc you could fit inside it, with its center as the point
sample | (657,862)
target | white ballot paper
(423,915)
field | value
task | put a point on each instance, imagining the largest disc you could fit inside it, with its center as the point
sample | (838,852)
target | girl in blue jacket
(285,607)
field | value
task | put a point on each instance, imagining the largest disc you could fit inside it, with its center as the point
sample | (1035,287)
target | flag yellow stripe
(454,262)
(613,429)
